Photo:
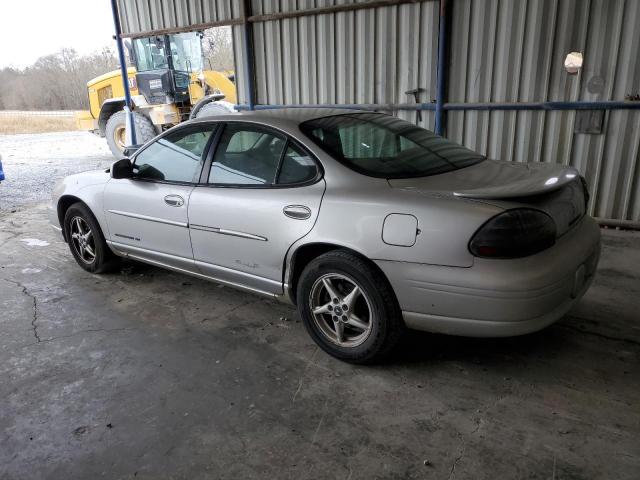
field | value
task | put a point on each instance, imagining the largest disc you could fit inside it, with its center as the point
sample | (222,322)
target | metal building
(489,73)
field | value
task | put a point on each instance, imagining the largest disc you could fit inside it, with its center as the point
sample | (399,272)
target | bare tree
(217,48)
(54,82)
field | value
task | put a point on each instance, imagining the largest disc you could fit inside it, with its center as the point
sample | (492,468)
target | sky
(32,28)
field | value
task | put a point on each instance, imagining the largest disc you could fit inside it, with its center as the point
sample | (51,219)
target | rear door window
(247,155)
(297,167)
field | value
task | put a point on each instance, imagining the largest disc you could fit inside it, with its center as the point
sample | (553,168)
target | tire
(212,109)
(104,259)
(114,130)
(373,332)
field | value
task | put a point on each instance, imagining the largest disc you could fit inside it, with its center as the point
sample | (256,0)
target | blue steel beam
(123,71)
(441,85)
(350,106)
(577,105)
(248,54)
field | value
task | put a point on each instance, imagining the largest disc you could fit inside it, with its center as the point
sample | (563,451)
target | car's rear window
(383,146)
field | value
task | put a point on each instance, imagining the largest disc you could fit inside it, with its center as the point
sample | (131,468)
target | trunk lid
(493,179)
(554,189)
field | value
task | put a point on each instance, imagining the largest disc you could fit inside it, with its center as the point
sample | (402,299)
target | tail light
(514,233)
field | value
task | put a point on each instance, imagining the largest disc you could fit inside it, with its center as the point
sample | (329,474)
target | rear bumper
(496,298)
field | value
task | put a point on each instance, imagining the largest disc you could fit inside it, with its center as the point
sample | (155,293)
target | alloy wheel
(82,240)
(341,310)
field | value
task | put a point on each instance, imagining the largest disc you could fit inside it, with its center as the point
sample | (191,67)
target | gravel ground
(34,162)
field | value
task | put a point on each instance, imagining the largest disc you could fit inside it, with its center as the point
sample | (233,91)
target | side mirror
(122,169)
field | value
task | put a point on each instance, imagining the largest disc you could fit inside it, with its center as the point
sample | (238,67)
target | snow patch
(34,242)
(31,270)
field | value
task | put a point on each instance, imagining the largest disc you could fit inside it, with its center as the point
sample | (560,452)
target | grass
(12,124)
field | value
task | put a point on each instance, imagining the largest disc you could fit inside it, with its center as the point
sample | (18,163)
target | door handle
(298,212)
(174,200)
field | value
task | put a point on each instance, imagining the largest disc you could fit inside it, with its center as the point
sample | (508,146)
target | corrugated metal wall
(365,56)
(505,51)
(500,51)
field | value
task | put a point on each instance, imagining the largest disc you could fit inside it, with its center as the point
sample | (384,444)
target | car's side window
(176,157)
(297,167)
(246,155)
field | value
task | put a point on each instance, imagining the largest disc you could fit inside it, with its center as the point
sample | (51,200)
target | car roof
(291,116)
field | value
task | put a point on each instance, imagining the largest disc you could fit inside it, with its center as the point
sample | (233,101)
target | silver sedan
(369,224)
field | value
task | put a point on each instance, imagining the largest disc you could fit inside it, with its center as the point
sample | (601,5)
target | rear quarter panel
(354,218)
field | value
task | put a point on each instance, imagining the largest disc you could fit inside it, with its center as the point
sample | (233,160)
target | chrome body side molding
(148,218)
(224,231)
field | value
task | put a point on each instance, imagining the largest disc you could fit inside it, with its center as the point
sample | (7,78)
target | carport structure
(486,73)
(149,374)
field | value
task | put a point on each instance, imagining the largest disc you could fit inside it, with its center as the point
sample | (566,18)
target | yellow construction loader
(168,83)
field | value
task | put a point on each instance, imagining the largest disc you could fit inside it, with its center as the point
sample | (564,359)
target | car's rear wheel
(349,308)
(86,241)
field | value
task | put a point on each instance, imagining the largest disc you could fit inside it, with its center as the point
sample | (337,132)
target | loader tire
(115,131)
(214,108)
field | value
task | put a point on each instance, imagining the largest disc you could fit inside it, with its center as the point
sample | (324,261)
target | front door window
(176,157)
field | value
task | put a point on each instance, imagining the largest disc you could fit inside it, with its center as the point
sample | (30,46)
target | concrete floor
(151,374)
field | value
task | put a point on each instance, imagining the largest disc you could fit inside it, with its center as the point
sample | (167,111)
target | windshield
(383,146)
(186,52)
(150,53)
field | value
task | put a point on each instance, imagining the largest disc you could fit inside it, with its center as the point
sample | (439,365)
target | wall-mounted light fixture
(573,62)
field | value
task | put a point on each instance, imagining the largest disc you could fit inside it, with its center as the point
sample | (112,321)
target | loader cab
(164,64)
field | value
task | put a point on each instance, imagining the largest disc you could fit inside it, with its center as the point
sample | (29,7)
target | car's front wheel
(86,241)
(349,308)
